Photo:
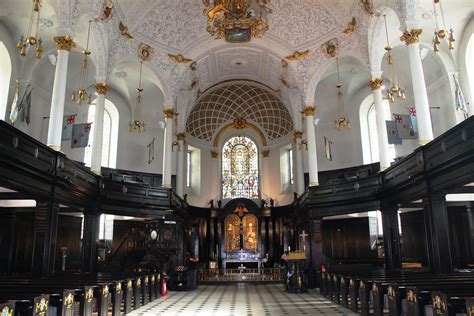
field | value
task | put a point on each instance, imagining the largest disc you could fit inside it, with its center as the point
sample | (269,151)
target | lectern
(296,279)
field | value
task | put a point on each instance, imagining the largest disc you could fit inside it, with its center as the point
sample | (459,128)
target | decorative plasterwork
(222,104)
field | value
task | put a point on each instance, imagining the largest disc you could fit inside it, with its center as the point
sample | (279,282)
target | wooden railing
(240,275)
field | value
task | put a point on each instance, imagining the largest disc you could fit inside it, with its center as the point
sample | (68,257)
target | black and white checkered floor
(242,299)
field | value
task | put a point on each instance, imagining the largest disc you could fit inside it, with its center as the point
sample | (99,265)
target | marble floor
(242,299)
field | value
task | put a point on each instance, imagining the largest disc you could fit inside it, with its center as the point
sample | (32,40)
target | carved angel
(124,31)
(180,59)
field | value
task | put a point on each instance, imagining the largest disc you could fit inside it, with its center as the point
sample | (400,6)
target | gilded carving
(411,296)
(298,55)
(145,52)
(181,136)
(240,123)
(368,6)
(411,36)
(169,113)
(214,154)
(101,88)
(297,135)
(179,59)
(129,284)
(41,307)
(69,301)
(375,83)
(89,295)
(105,291)
(118,287)
(309,110)
(123,29)
(331,48)
(351,27)
(266,153)
(64,42)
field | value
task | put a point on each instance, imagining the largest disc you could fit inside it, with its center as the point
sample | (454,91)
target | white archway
(5,75)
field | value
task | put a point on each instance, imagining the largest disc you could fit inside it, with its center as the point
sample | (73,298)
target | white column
(168,142)
(312,154)
(64,44)
(97,140)
(425,128)
(298,136)
(381,116)
(180,172)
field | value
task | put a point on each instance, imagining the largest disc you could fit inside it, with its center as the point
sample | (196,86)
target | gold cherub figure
(298,55)
(179,59)
(351,26)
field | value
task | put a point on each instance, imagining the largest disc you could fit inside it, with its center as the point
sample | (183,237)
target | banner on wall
(68,123)
(80,135)
(392,133)
(405,126)
(328,148)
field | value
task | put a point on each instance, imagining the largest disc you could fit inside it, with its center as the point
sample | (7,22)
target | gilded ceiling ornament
(237,20)
(298,55)
(297,135)
(266,153)
(107,11)
(411,36)
(368,6)
(145,52)
(284,64)
(375,83)
(351,26)
(124,31)
(214,154)
(169,113)
(179,59)
(181,136)
(64,42)
(309,110)
(342,121)
(101,88)
(240,123)
(331,47)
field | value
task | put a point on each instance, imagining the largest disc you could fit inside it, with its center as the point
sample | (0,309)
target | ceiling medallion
(331,48)
(237,20)
(145,52)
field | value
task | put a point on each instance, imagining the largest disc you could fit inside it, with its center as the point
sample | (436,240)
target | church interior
(236,157)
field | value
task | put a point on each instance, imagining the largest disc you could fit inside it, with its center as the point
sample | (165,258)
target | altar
(241,264)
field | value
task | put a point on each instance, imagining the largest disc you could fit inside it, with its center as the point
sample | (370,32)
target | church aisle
(242,299)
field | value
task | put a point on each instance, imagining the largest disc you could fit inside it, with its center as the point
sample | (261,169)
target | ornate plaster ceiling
(221,104)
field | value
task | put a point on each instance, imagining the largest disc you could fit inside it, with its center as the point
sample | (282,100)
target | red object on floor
(164,290)
(323,268)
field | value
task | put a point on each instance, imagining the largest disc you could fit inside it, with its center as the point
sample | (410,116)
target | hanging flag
(80,135)
(68,122)
(328,147)
(461,104)
(404,126)
(392,133)
(14,108)
(412,111)
(24,106)
(414,122)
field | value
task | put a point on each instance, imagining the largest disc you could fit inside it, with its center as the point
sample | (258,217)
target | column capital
(169,113)
(308,110)
(181,136)
(375,83)
(101,88)
(297,135)
(411,36)
(64,42)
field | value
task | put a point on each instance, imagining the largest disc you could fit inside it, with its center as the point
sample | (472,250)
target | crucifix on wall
(303,236)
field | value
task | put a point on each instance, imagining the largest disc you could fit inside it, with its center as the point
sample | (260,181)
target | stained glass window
(240,169)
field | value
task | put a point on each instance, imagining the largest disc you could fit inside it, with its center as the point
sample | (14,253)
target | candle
(304,247)
(289,248)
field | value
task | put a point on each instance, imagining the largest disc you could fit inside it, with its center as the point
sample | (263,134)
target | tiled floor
(242,299)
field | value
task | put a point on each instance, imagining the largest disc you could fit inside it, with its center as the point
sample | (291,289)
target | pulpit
(296,278)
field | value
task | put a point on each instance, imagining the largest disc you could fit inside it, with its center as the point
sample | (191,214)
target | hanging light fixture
(31,38)
(342,121)
(81,95)
(440,32)
(138,125)
(393,91)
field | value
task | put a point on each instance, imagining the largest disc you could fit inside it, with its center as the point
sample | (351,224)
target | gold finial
(64,42)
(411,36)
(101,88)
(298,55)
(169,113)
(375,83)
(309,110)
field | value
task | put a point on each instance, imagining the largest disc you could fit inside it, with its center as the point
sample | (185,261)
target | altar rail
(241,275)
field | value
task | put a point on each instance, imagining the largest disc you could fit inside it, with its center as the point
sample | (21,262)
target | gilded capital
(64,42)
(101,88)
(181,136)
(411,36)
(169,113)
(375,83)
(309,110)
(297,135)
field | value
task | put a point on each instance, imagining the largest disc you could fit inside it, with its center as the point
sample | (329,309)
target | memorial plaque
(41,305)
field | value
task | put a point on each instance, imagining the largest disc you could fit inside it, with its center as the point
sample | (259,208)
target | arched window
(240,174)
(373,135)
(5,74)
(110,135)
